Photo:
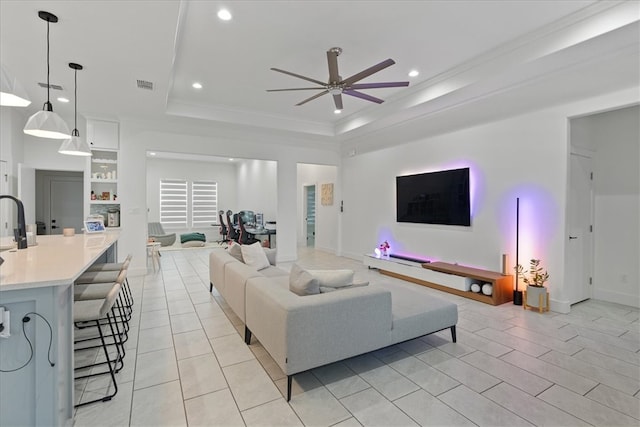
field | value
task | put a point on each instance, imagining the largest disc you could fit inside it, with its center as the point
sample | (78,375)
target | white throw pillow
(254,256)
(333,278)
(302,283)
(193,244)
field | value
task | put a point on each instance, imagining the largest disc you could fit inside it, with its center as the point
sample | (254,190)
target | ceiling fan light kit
(75,146)
(46,123)
(336,86)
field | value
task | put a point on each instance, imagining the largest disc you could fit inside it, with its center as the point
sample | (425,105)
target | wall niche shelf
(105,180)
(103,183)
(452,278)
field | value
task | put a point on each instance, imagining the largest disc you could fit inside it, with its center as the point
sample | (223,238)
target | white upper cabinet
(103,134)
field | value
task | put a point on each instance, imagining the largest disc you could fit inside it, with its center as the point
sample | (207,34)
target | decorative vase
(536,297)
(487,289)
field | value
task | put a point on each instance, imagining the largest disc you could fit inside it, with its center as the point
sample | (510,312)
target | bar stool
(98,291)
(96,312)
(109,266)
(108,272)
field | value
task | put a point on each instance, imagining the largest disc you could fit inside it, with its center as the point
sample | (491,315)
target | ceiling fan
(336,86)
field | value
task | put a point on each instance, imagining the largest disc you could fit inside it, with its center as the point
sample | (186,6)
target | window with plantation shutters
(204,203)
(173,203)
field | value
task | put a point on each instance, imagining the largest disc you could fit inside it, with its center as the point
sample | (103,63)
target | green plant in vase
(535,278)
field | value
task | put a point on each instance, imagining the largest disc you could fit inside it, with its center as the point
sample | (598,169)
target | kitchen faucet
(20,233)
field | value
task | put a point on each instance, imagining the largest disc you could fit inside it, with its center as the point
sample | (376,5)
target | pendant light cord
(75,102)
(48,85)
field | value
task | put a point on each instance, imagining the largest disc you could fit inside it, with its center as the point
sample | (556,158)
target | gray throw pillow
(327,289)
(236,252)
(333,278)
(271,255)
(302,283)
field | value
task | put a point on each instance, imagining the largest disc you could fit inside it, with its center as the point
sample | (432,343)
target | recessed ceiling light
(337,111)
(152,153)
(224,14)
(413,73)
(197,85)
(62,99)
(231,159)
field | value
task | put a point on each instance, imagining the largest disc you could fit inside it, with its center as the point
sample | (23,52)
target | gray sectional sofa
(305,332)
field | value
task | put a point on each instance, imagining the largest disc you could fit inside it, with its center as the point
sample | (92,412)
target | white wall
(12,121)
(223,173)
(524,156)
(520,157)
(615,138)
(257,188)
(188,136)
(326,216)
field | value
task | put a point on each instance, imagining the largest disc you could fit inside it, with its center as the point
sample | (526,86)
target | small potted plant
(384,248)
(535,278)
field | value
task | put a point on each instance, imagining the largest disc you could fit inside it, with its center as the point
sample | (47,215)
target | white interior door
(310,214)
(65,205)
(580,228)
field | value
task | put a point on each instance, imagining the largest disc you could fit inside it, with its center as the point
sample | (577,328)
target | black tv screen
(434,198)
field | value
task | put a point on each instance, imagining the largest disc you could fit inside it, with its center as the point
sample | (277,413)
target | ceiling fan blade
(295,88)
(366,73)
(337,99)
(363,96)
(309,79)
(332,59)
(378,85)
(324,92)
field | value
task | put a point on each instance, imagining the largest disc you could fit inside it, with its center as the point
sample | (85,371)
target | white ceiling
(466,51)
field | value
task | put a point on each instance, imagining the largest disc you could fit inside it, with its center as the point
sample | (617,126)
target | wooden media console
(452,278)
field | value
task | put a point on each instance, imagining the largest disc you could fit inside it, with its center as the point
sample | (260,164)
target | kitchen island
(37,283)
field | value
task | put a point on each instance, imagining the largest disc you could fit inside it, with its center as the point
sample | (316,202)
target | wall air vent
(56,87)
(143,84)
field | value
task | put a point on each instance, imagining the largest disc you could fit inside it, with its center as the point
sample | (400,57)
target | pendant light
(75,146)
(12,93)
(46,123)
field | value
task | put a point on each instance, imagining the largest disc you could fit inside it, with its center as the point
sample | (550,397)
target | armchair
(157,233)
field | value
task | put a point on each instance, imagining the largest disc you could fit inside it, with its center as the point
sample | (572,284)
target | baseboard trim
(562,307)
(617,297)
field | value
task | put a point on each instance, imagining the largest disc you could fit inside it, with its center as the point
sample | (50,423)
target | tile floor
(187,364)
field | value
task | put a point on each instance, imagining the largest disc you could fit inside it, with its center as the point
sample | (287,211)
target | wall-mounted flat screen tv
(434,198)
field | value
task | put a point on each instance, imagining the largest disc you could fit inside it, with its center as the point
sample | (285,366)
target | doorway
(310,214)
(59,201)
(580,228)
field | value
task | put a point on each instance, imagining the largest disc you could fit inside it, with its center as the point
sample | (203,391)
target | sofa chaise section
(301,333)
(305,332)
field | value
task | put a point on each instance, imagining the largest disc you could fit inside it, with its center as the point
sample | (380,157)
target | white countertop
(55,260)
